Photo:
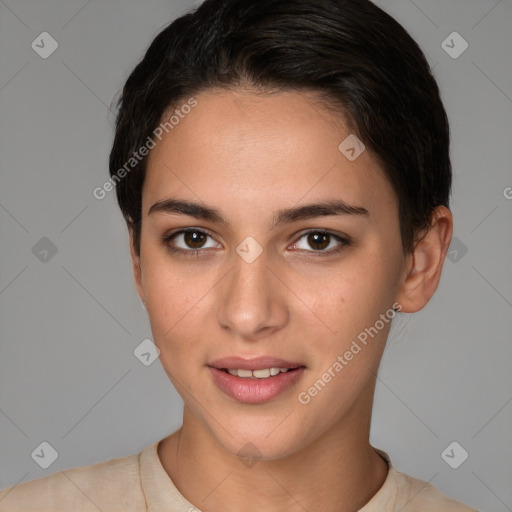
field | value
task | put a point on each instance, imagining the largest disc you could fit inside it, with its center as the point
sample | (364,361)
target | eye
(322,242)
(188,240)
(191,242)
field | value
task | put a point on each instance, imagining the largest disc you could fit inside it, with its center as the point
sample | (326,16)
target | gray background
(70,324)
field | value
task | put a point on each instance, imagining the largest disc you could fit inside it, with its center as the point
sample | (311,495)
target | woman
(283,168)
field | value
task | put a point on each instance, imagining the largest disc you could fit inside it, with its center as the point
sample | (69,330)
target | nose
(252,300)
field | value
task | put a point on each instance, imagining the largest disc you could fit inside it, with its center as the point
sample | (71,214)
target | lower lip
(255,391)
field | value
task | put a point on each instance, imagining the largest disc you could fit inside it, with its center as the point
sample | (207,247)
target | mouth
(263,373)
(254,381)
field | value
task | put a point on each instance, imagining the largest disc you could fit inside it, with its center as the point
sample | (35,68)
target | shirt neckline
(160,492)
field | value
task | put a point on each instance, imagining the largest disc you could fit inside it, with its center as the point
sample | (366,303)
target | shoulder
(404,493)
(110,485)
(422,496)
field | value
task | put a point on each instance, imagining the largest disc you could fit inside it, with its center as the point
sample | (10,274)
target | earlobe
(425,263)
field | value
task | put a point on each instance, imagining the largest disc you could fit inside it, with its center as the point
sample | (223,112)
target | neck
(339,471)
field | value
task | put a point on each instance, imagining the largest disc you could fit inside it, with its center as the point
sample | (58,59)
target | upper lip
(257,363)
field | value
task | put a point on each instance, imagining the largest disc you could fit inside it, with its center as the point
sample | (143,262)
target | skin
(250,155)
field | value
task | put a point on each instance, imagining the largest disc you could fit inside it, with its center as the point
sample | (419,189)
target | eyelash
(196,252)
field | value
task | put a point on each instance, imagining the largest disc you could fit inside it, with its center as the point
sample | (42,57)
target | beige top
(140,483)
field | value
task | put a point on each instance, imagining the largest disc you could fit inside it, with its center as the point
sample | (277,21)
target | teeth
(257,374)
(261,374)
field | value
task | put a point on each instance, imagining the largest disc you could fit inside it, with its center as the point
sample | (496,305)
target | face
(255,271)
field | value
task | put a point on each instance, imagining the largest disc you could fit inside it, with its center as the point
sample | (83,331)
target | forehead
(249,150)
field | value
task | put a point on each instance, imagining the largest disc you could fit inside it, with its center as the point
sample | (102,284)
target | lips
(252,390)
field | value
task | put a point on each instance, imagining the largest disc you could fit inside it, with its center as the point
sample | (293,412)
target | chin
(257,444)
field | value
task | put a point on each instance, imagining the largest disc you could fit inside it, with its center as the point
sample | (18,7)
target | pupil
(194,239)
(318,238)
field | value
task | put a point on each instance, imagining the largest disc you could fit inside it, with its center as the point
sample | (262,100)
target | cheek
(174,305)
(344,362)
(350,299)
(351,303)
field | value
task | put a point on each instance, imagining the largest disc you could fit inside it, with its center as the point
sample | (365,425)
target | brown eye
(189,241)
(323,242)
(319,241)
(194,239)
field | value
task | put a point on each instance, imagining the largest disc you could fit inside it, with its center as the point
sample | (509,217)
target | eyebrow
(308,211)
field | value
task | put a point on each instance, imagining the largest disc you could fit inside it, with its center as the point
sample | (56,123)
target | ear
(424,265)
(137,271)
